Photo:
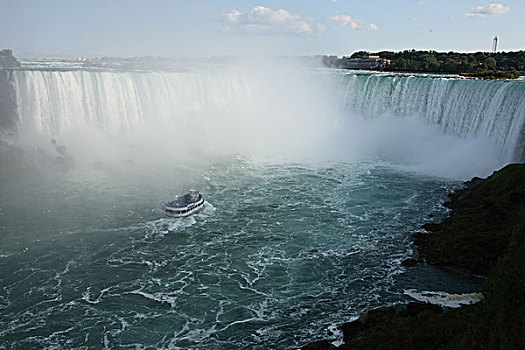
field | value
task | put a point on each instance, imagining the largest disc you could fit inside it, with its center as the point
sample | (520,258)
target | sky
(177,28)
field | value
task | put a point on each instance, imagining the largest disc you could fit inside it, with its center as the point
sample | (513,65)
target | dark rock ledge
(484,236)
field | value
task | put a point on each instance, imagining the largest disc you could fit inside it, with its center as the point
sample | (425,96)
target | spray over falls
(242,111)
(465,107)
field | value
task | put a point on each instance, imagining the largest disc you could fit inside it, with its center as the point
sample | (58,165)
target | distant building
(365,62)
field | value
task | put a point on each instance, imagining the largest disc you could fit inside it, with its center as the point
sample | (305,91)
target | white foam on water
(88,294)
(158,297)
(244,274)
(445,299)
(337,334)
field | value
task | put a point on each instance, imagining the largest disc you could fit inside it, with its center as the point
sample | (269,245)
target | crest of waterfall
(466,107)
(54,101)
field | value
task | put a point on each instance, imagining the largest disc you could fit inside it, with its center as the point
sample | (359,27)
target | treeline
(507,65)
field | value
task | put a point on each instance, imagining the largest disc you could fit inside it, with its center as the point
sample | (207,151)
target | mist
(256,108)
(412,144)
(264,109)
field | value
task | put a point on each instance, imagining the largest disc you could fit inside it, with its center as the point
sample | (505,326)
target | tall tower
(495,44)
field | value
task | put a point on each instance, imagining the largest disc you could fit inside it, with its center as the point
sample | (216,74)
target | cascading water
(229,111)
(465,107)
(117,101)
(55,102)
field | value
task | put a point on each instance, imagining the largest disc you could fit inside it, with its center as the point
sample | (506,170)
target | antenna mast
(495,44)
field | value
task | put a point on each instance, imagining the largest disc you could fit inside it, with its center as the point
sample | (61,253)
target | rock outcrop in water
(7,91)
(7,60)
(485,234)
(8,116)
(17,163)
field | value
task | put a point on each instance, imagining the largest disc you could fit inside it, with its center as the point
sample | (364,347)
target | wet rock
(448,204)
(352,329)
(319,345)
(384,310)
(415,308)
(420,241)
(409,262)
(473,183)
(431,227)
(458,270)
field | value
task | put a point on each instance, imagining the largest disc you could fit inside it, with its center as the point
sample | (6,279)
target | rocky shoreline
(484,236)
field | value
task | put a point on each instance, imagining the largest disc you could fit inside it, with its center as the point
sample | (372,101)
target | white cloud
(265,20)
(352,23)
(321,28)
(233,16)
(486,11)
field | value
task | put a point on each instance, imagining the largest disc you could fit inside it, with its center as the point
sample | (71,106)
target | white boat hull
(184,211)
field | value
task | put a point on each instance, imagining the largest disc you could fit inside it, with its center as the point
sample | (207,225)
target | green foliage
(493,74)
(359,54)
(501,65)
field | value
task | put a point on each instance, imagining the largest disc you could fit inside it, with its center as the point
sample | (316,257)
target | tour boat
(184,205)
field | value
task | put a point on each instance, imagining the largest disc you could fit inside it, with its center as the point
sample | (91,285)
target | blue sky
(72,28)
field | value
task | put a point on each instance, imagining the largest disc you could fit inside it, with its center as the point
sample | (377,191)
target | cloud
(352,23)
(487,11)
(265,20)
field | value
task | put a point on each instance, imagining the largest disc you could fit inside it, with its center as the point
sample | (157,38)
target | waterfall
(228,110)
(53,102)
(465,107)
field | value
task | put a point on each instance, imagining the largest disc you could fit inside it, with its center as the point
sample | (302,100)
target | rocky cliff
(484,235)
(7,60)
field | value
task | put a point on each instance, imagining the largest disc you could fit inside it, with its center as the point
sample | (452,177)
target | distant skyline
(68,28)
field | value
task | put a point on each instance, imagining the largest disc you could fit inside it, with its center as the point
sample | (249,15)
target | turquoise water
(280,255)
(314,181)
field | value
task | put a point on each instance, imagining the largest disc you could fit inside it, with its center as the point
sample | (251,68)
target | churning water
(279,254)
(287,246)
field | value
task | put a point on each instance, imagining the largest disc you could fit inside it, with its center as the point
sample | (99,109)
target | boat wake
(167,225)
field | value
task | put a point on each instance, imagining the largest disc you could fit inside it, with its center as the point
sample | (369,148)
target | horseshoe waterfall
(313,180)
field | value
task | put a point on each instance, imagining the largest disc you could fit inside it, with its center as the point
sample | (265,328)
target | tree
(490,62)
